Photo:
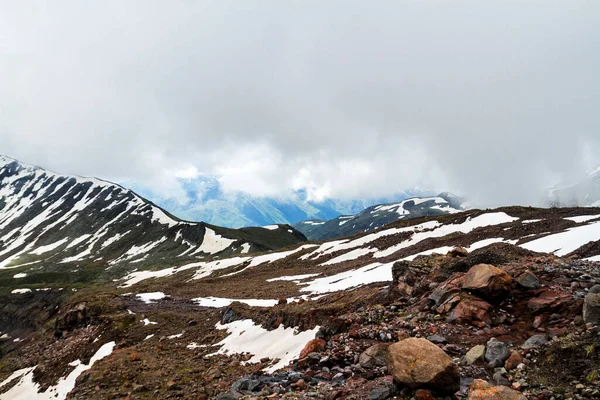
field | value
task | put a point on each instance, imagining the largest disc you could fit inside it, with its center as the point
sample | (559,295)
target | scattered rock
(476,354)
(534,341)
(416,363)
(380,393)
(513,361)
(499,378)
(481,390)
(496,352)
(374,356)
(487,281)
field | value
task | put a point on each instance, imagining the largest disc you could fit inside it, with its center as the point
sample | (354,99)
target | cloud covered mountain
(582,192)
(204,199)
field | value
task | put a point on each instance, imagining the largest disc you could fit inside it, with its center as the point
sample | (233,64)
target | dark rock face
(76,317)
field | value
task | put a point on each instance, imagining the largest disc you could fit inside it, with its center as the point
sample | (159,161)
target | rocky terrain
(376,216)
(481,304)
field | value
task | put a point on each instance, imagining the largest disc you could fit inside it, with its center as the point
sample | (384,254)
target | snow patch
(282,343)
(151,297)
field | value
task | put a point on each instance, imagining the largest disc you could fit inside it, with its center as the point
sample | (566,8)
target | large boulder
(487,281)
(481,390)
(591,306)
(496,352)
(416,362)
(374,356)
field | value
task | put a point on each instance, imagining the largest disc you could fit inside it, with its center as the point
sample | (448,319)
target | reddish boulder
(313,346)
(549,300)
(481,390)
(471,310)
(487,281)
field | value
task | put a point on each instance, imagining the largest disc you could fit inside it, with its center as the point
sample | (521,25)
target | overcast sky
(495,100)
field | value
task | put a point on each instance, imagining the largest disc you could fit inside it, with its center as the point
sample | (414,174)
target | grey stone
(380,393)
(528,280)
(534,341)
(437,339)
(496,352)
(499,378)
(374,356)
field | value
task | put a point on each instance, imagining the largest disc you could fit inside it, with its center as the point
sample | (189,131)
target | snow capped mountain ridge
(63,218)
(379,215)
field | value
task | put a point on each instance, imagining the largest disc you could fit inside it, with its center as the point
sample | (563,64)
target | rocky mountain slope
(204,199)
(379,215)
(51,218)
(506,296)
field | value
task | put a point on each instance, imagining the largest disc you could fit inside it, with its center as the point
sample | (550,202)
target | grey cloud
(495,100)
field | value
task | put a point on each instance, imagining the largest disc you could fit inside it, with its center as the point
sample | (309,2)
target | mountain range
(56,218)
(204,199)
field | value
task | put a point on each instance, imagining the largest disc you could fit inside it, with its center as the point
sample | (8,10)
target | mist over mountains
(203,198)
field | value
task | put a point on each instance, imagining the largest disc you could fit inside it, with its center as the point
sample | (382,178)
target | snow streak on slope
(565,242)
(26,388)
